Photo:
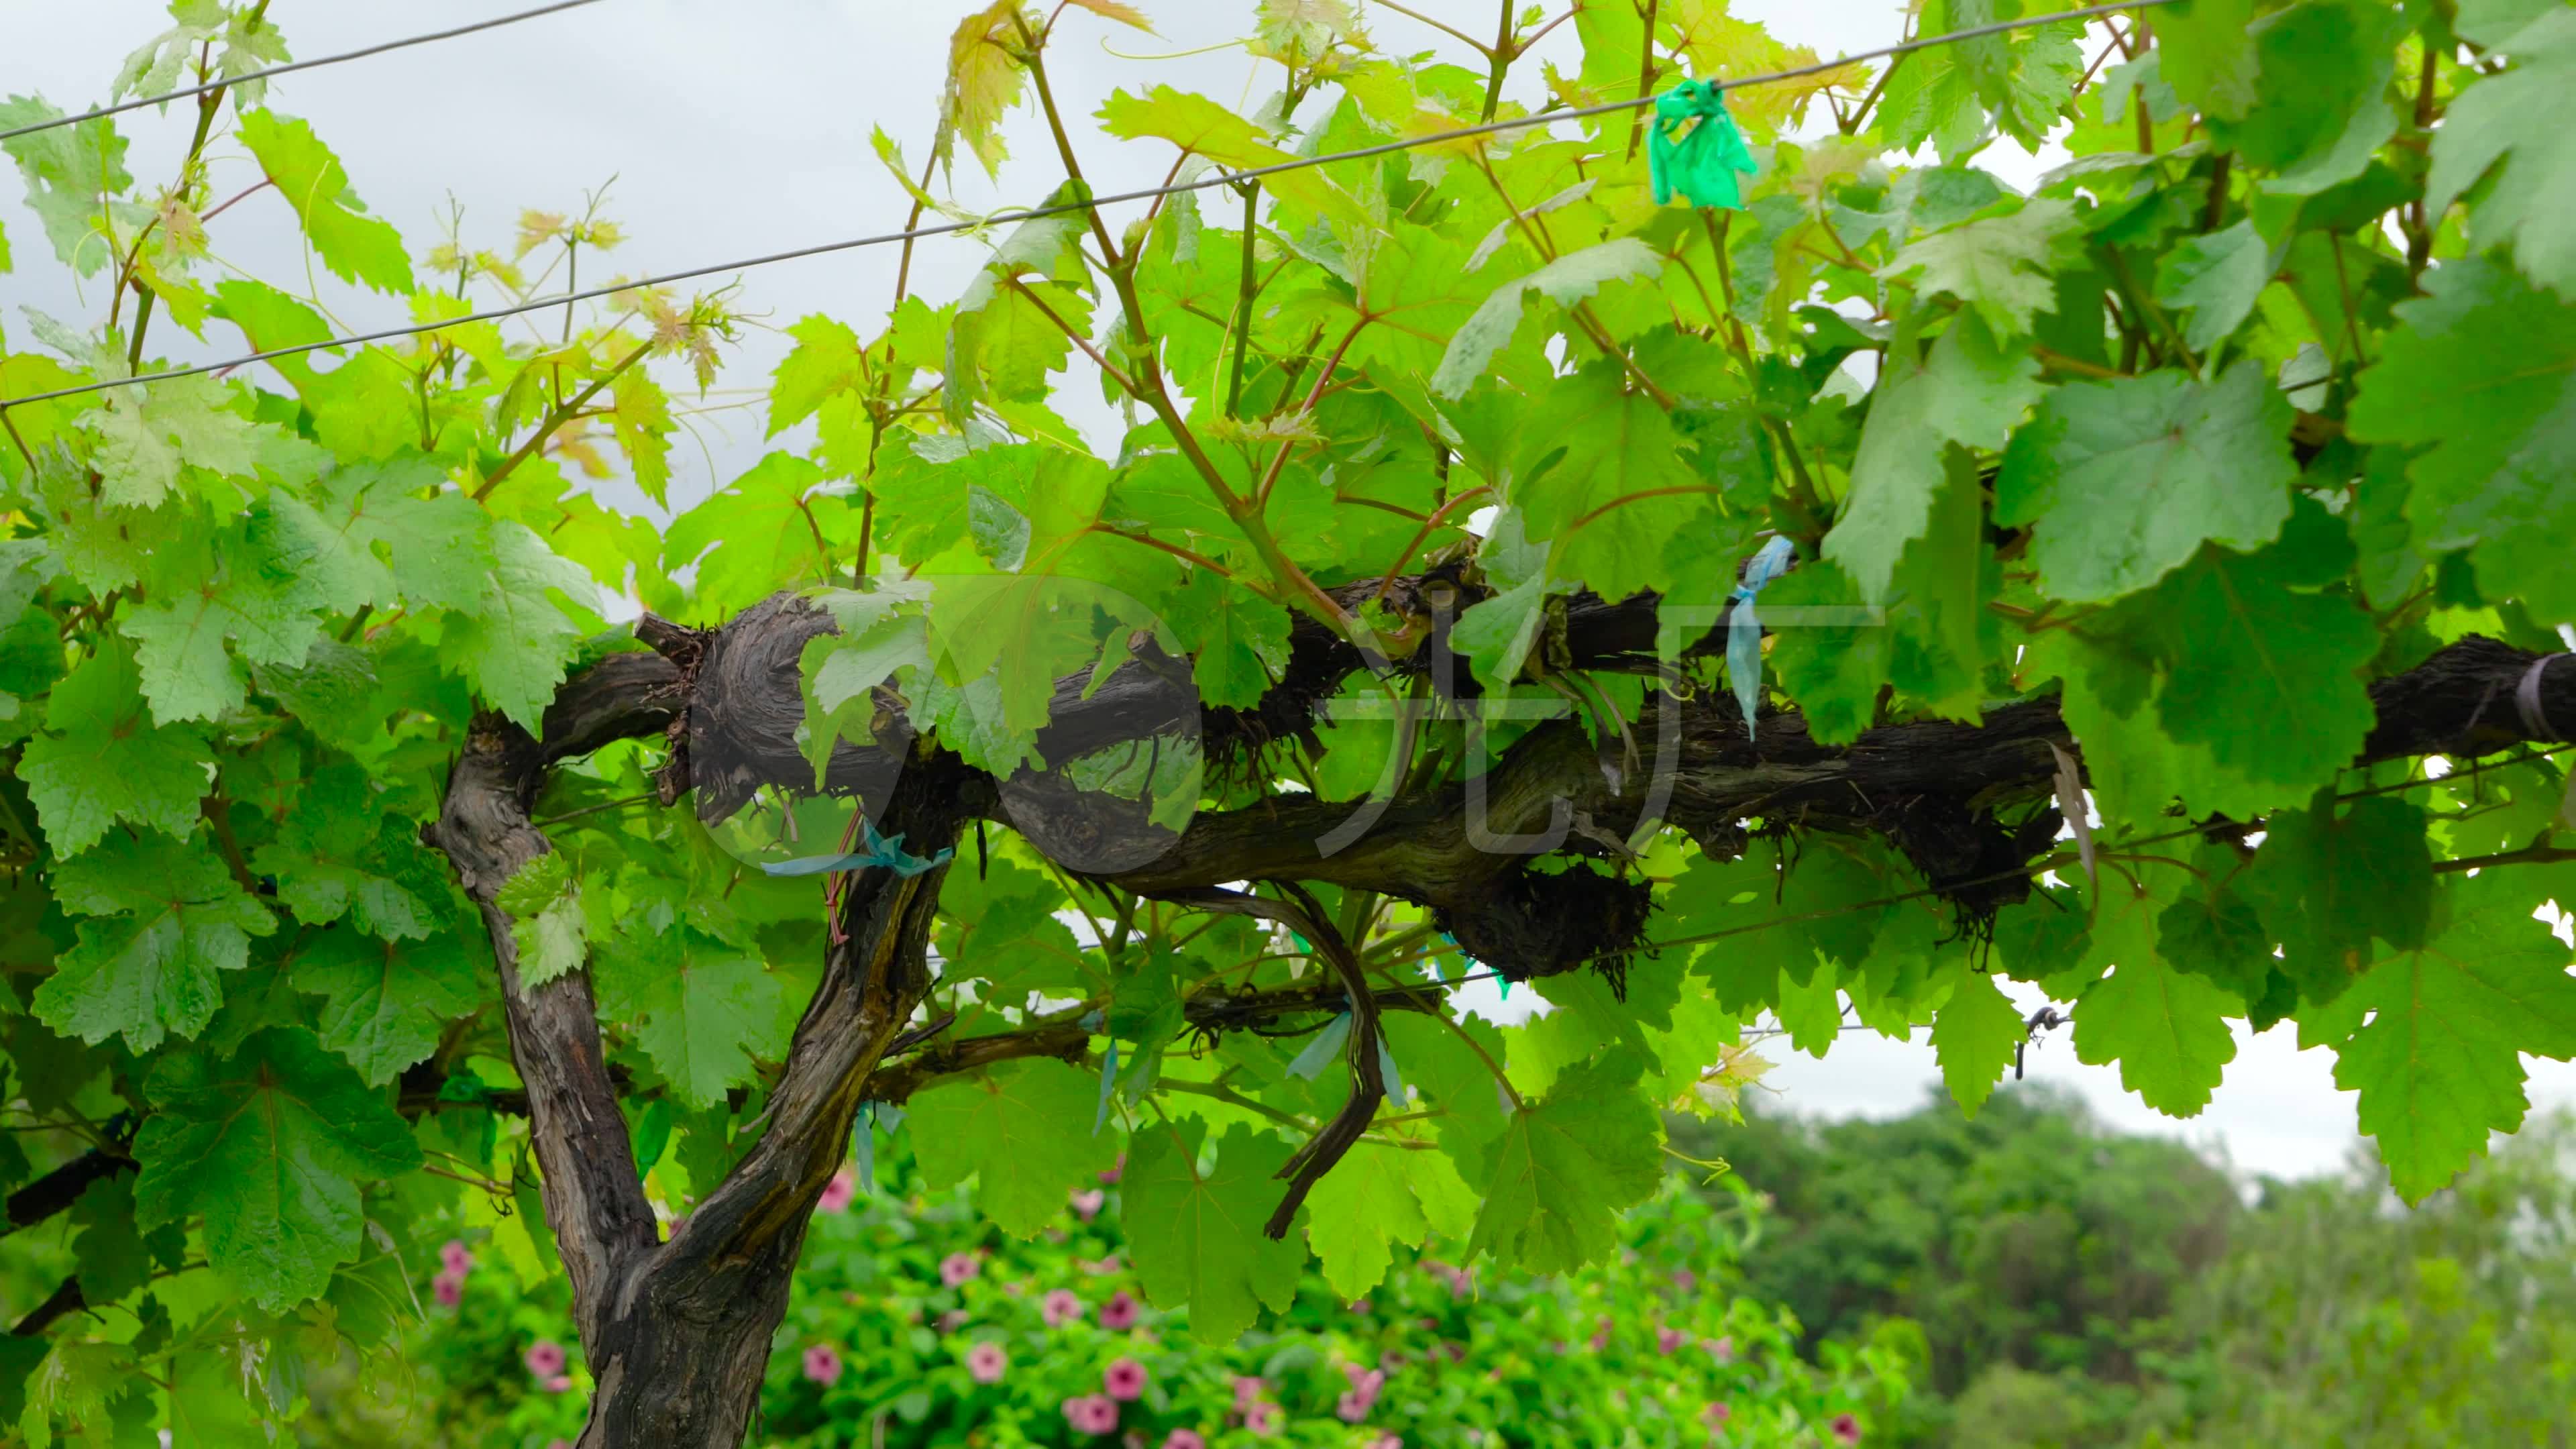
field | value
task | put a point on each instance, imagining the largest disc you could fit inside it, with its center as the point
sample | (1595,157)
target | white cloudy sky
(738,129)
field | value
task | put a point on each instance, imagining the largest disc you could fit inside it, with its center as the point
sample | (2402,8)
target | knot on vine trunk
(1530,924)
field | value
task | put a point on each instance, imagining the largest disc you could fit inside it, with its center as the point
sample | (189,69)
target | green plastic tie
(1699,163)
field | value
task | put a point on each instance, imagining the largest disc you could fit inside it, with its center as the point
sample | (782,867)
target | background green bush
(1649,1350)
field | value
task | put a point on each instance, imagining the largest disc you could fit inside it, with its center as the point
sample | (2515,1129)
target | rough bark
(678,1332)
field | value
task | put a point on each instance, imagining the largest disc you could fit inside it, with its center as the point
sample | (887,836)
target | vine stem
(556,419)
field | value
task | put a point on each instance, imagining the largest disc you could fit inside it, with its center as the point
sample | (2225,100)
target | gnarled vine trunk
(678,1332)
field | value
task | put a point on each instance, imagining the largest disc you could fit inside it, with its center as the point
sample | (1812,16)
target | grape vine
(401,843)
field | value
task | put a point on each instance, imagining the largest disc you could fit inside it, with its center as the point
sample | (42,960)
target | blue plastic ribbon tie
(1386,1071)
(882,852)
(1321,1051)
(1744,627)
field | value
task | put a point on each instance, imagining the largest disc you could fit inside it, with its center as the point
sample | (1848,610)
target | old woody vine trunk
(1378,557)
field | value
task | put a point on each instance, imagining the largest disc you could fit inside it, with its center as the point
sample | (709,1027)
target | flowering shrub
(914,1320)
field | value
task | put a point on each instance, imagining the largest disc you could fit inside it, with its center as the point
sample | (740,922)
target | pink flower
(838,1192)
(1060,1308)
(987,1362)
(1092,1414)
(1119,1313)
(1721,1349)
(1669,1338)
(1685,1281)
(558,1383)
(1086,1205)
(1354,1406)
(957,1268)
(545,1358)
(953,1320)
(1184,1439)
(1386,1441)
(1600,1340)
(1116,1169)
(1846,1429)
(449,1288)
(823,1364)
(455,1257)
(1124,1381)
(1715,1416)
(1247,1394)
(1262,1419)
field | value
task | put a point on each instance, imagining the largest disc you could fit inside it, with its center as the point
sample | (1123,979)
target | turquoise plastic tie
(1696,151)
(1320,1052)
(882,852)
(1744,627)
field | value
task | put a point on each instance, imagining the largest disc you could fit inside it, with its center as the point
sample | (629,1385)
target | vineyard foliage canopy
(1062,777)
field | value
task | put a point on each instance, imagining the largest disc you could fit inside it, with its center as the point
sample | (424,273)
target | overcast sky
(738,129)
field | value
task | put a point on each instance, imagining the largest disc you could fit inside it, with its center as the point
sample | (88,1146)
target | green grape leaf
(641,419)
(1378,1196)
(1197,1234)
(2208,53)
(1023,1131)
(385,1001)
(513,644)
(102,760)
(2217,277)
(2518,120)
(1441,1062)
(73,175)
(2166,1028)
(2326,883)
(2496,425)
(772,528)
(383,533)
(1238,640)
(258,603)
(1603,475)
(824,364)
(1201,127)
(2123,480)
(262,1147)
(1563,1168)
(209,1408)
(111,1257)
(2242,642)
(1570,279)
(148,436)
(1970,391)
(355,246)
(705,1010)
(2439,1064)
(173,919)
(543,901)
(1998,265)
(1974,1037)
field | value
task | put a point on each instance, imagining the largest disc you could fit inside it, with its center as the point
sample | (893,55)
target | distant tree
(2028,1235)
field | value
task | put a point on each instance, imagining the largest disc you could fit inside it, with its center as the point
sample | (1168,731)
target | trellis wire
(317,62)
(1204,183)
